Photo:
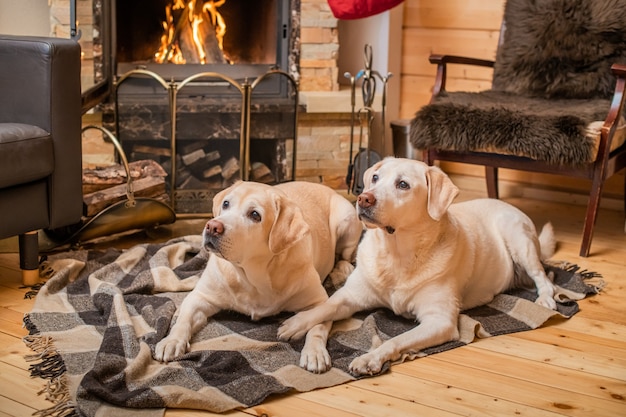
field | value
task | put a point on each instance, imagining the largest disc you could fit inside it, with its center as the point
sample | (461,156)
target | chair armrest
(619,70)
(443,60)
(615,112)
(454,59)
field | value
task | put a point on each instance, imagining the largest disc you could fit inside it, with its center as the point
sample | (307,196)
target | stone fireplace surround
(324,126)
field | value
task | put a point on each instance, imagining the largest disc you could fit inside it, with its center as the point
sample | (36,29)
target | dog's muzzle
(211,235)
(366,207)
(210,243)
(365,215)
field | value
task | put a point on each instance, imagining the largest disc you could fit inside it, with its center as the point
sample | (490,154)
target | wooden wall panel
(419,43)
(417,89)
(454,14)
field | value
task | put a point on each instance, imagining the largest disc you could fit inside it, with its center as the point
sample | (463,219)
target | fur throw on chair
(551,80)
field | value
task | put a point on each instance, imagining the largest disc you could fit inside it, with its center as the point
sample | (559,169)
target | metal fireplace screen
(207,131)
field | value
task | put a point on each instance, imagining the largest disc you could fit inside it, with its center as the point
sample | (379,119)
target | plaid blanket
(96,321)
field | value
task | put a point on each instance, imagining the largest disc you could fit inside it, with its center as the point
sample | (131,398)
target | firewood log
(261,173)
(102,178)
(143,187)
(194,156)
(212,171)
(230,168)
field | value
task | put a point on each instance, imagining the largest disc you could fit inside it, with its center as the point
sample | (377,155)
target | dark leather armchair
(555,105)
(40,141)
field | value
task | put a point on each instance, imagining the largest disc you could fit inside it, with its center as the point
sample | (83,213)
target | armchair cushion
(558,131)
(26,154)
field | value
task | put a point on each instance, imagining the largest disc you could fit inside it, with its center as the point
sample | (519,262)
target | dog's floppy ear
(441,192)
(289,225)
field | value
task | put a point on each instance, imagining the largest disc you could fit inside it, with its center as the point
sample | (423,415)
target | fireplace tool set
(365,156)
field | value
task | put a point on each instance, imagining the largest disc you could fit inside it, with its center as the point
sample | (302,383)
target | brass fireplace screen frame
(246,89)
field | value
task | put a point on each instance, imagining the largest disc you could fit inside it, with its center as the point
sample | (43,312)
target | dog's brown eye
(225,204)
(255,216)
(374,178)
(403,185)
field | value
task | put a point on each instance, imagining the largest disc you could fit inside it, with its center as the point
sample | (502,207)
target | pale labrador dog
(428,259)
(271,247)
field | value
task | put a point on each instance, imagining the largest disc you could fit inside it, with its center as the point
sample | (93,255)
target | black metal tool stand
(364,117)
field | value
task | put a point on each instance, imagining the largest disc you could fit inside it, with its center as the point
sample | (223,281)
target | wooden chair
(556,102)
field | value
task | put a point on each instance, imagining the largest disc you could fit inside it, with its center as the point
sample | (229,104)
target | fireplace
(209,114)
(239,38)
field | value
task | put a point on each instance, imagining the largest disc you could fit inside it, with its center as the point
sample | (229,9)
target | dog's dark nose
(214,227)
(366,200)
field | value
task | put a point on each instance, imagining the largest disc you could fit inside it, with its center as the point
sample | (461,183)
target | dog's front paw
(367,364)
(315,358)
(169,349)
(293,328)
(546,301)
(340,273)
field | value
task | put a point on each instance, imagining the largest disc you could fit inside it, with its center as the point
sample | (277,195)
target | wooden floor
(574,367)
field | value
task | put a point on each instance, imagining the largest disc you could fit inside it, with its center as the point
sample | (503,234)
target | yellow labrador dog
(428,259)
(271,247)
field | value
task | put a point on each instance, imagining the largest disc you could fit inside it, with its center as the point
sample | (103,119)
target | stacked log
(197,168)
(106,186)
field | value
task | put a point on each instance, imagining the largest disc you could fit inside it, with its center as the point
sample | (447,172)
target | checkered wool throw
(96,321)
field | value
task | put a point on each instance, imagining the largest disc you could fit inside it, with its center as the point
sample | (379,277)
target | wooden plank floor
(574,367)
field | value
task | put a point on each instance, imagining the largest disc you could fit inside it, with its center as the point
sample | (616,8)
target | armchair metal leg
(29,258)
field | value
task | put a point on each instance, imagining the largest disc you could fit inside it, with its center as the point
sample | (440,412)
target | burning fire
(192,31)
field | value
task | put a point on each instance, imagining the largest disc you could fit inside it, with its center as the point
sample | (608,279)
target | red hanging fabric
(358,9)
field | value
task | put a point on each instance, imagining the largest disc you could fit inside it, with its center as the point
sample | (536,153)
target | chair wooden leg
(427,158)
(591,216)
(491,175)
(29,258)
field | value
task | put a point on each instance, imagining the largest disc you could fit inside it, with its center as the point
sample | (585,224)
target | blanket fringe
(45,272)
(45,268)
(51,368)
(591,278)
(60,410)
(34,290)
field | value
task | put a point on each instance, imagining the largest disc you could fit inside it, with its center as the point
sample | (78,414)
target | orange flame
(170,49)
(210,7)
